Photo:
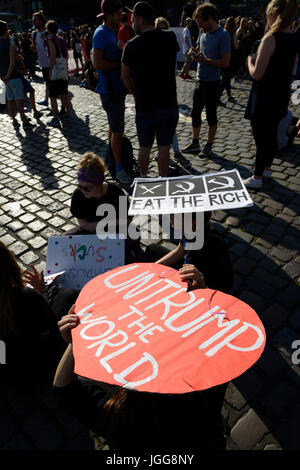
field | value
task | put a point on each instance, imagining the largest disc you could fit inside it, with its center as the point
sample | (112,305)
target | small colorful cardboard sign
(140,328)
(213,191)
(82,257)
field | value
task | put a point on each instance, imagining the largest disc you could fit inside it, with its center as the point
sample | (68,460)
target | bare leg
(212,133)
(32,101)
(163,160)
(65,101)
(20,108)
(196,132)
(54,107)
(116,146)
(144,157)
(11,109)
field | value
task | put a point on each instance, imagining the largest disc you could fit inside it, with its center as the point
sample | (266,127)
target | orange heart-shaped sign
(140,328)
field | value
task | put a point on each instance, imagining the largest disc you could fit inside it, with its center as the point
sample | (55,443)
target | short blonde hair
(161,19)
(91,162)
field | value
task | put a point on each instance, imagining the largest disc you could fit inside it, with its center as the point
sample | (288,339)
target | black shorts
(57,88)
(160,123)
(206,94)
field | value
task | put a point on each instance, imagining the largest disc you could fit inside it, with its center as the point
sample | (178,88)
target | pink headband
(89,176)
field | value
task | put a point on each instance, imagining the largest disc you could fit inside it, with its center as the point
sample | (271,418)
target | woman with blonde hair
(271,69)
(92,192)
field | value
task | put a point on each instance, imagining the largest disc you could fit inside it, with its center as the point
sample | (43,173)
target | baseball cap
(143,9)
(109,7)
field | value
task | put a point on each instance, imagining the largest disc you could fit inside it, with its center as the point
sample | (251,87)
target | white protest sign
(209,192)
(83,257)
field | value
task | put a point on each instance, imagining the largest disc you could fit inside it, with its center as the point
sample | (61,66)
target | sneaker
(37,114)
(123,177)
(266,173)
(252,183)
(192,148)
(54,122)
(207,150)
(43,103)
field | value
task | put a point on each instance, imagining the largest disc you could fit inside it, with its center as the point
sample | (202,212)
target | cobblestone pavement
(262,407)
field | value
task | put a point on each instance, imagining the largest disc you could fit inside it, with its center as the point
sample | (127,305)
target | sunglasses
(86,189)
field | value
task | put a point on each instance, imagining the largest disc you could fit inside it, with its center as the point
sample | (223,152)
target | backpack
(128,161)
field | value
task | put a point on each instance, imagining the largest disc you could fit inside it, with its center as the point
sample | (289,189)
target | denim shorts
(115,109)
(15,89)
(160,123)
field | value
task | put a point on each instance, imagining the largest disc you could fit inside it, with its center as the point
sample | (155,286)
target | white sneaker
(266,173)
(123,177)
(252,183)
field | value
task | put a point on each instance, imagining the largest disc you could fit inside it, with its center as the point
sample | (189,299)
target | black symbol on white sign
(223,183)
(149,190)
(185,187)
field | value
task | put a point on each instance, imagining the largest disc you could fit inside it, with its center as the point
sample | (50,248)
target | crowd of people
(124,64)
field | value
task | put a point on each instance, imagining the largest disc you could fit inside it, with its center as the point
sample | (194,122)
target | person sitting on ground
(28,328)
(129,418)
(90,75)
(208,267)
(93,191)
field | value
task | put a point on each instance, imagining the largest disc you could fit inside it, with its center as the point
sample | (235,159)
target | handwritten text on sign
(82,257)
(213,191)
(140,328)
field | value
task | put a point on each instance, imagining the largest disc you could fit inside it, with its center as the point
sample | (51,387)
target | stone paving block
(244,265)
(29,258)
(18,248)
(234,398)
(7,239)
(260,287)
(275,317)
(249,430)
(290,296)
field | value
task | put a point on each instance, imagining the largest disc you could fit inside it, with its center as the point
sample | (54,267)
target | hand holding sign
(67,323)
(140,328)
(195,278)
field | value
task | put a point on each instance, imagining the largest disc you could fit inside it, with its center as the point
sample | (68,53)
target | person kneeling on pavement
(93,192)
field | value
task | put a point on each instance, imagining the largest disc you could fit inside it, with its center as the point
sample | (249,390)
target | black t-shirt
(85,208)
(151,420)
(151,57)
(213,261)
(34,349)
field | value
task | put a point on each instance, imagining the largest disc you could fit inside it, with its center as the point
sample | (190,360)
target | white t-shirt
(186,35)
(43,58)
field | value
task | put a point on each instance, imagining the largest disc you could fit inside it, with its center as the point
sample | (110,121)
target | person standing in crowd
(186,46)
(271,69)
(230,71)
(187,12)
(106,59)
(77,51)
(57,88)
(40,44)
(213,55)
(27,52)
(153,87)
(11,77)
(126,31)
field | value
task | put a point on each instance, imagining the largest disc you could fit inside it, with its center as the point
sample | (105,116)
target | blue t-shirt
(109,81)
(213,45)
